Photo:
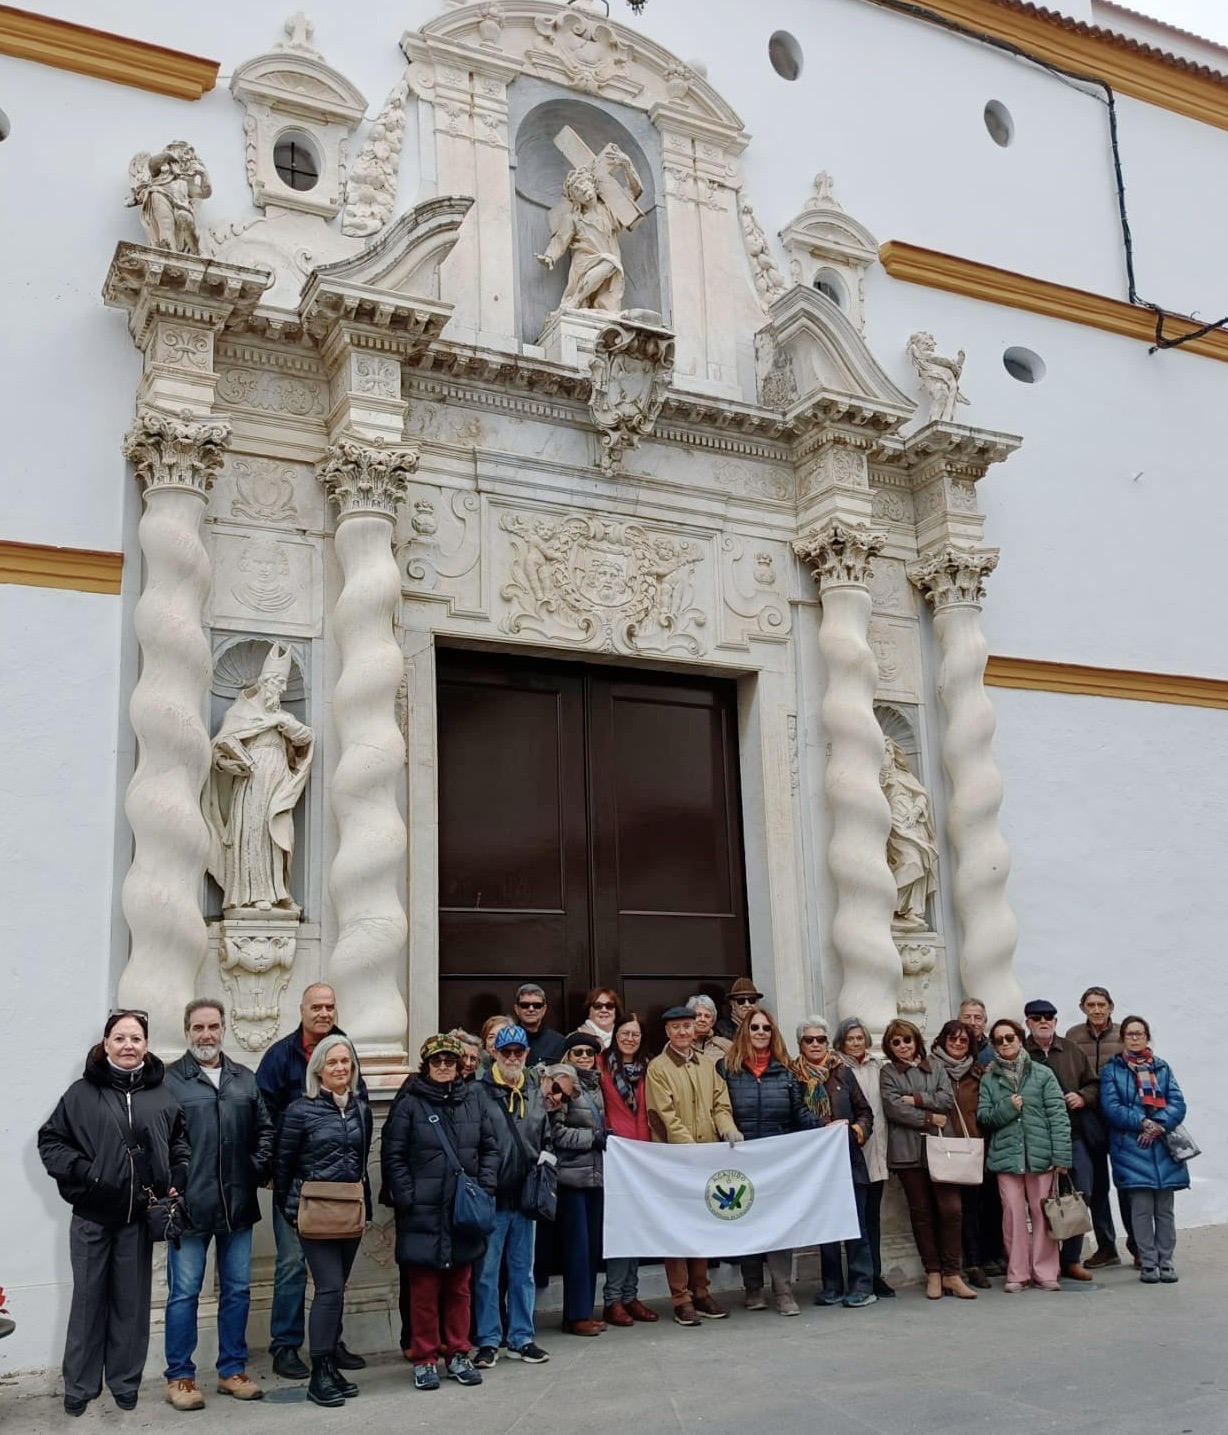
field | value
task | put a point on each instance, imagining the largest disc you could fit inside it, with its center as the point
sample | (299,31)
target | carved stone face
(272,685)
(583,190)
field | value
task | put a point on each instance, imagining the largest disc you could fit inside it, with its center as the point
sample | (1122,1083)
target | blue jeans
(510,1241)
(287,1326)
(185,1274)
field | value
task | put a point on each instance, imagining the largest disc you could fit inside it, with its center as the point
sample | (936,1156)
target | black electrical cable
(920,12)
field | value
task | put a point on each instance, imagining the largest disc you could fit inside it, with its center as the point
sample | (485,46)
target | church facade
(514,498)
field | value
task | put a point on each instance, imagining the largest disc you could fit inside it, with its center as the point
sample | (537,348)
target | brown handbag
(331,1210)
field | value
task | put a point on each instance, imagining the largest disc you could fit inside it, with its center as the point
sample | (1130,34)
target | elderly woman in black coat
(767,1101)
(326,1136)
(115,1135)
(437,1110)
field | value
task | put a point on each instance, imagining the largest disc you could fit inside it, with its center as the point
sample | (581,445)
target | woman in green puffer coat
(1022,1110)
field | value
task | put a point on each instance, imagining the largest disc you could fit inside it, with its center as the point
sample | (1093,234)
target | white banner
(773,1194)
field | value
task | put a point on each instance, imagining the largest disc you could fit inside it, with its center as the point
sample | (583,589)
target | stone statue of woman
(261,757)
(912,851)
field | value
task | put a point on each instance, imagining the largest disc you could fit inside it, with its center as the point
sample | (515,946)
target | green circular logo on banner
(729,1195)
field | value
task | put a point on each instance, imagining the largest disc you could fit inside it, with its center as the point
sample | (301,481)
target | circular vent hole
(296,161)
(785,54)
(1024,365)
(4,126)
(999,123)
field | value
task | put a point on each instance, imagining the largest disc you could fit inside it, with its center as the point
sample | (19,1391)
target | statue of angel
(939,377)
(593,212)
(166,186)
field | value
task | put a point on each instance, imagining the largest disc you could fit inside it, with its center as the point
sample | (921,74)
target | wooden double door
(589,833)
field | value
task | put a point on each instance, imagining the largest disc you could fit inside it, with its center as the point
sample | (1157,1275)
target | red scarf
(758,1061)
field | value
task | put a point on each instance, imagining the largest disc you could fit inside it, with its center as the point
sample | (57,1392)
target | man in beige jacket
(688,1102)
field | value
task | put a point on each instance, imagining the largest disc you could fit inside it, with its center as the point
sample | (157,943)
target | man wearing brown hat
(743,995)
(688,1102)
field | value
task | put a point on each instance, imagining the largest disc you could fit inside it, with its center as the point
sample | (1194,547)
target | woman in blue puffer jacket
(767,1100)
(1142,1103)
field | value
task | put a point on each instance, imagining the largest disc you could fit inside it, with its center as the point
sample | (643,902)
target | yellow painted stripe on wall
(936,270)
(1187,89)
(104,56)
(1039,676)
(38,565)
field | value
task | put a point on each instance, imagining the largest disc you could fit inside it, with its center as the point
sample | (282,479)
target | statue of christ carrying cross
(593,212)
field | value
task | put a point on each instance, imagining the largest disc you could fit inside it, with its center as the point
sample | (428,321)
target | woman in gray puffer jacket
(578,1132)
(917,1101)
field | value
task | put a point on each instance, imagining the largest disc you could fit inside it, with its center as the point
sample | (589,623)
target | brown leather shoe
(685,1315)
(184,1395)
(582,1327)
(709,1309)
(1077,1272)
(637,1310)
(617,1314)
(241,1386)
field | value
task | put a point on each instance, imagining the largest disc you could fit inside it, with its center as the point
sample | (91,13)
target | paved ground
(1115,1358)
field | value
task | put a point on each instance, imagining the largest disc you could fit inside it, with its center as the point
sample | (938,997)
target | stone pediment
(575,46)
(405,260)
(827,354)
(299,83)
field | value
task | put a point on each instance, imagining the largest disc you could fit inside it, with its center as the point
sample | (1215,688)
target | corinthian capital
(169,452)
(954,577)
(839,554)
(367,478)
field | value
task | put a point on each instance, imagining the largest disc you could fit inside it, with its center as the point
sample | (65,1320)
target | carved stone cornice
(182,452)
(839,554)
(955,451)
(153,284)
(367,478)
(953,577)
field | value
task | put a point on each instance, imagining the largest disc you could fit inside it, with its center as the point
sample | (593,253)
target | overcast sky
(1208,18)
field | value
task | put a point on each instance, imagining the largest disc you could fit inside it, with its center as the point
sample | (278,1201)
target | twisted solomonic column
(175,459)
(953,582)
(367,483)
(839,556)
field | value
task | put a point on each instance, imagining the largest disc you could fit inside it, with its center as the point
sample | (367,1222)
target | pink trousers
(1037,1258)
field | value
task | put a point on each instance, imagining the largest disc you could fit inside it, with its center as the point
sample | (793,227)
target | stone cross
(614,196)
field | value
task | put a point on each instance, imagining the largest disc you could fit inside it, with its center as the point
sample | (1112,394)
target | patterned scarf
(814,1084)
(626,1076)
(957,1068)
(1143,1065)
(1014,1069)
(514,1089)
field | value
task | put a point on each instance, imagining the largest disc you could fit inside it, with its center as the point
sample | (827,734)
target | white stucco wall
(1110,519)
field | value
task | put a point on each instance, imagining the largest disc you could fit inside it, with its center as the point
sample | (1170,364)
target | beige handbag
(956,1160)
(1066,1212)
(331,1210)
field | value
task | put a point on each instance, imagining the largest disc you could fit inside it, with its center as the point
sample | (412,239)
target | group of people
(499,1137)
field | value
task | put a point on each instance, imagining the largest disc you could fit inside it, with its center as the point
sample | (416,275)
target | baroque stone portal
(261,757)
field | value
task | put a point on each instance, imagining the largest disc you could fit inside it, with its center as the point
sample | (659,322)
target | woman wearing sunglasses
(603,1012)
(420,1175)
(767,1101)
(854,1044)
(116,1132)
(1022,1108)
(955,1047)
(917,1101)
(834,1098)
(578,1133)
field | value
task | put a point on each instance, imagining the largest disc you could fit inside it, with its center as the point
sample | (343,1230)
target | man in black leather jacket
(231,1133)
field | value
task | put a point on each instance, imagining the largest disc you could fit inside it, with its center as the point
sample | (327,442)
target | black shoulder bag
(166,1217)
(539,1195)
(473,1211)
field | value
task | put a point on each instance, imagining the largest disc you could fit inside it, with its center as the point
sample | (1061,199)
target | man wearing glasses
(1081,1092)
(545,1044)
(743,995)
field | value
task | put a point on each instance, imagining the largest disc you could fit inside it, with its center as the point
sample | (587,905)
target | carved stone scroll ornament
(256,962)
(613,586)
(769,282)
(165,187)
(371,189)
(175,460)
(917,961)
(632,369)
(939,377)
(952,580)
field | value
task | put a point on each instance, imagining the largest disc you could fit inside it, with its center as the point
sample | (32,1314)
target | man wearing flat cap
(1081,1091)
(688,1102)
(743,995)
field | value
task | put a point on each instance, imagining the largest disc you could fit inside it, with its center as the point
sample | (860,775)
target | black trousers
(108,1320)
(330,1263)
(874,1225)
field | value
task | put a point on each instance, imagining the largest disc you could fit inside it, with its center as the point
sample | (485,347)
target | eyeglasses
(582,1051)
(129,1011)
(743,1001)
(605,1006)
(900,1041)
(531,1006)
(814,1041)
(1008,1040)
(758,1027)
(958,1038)
(557,1089)
(442,1058)
(512,1050)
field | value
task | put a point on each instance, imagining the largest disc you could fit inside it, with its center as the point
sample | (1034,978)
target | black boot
(347,1387)
(323,1387)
